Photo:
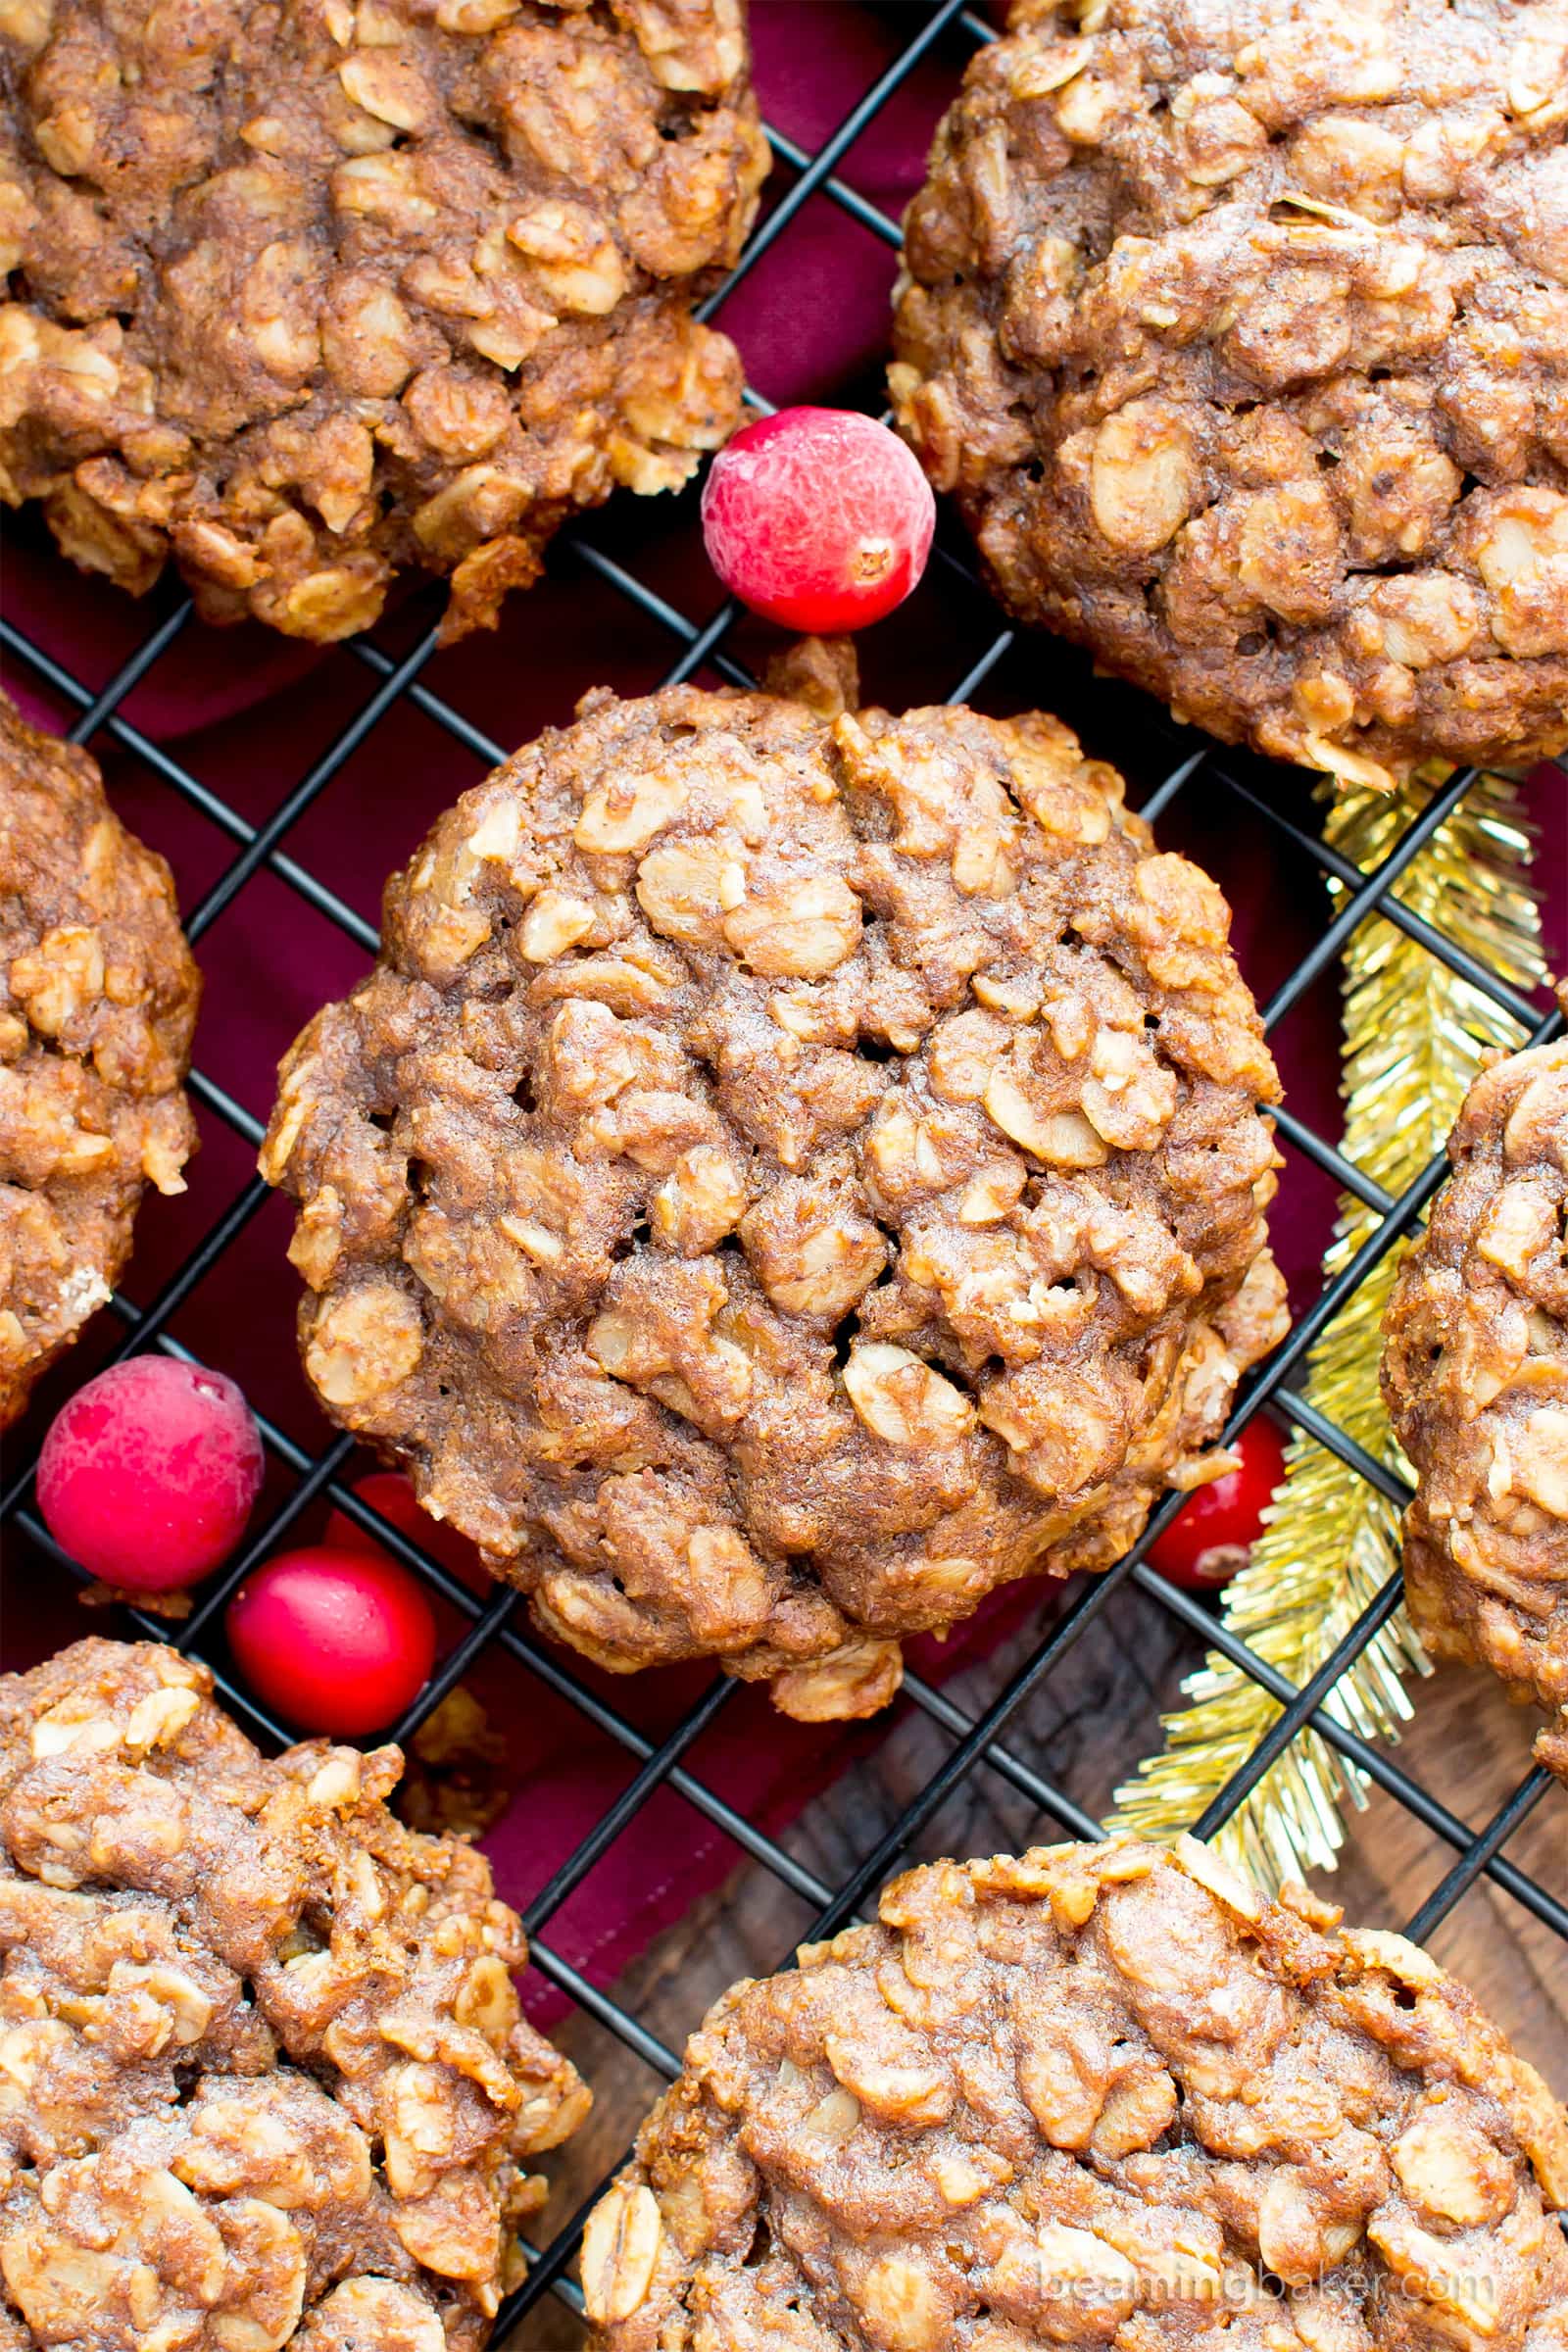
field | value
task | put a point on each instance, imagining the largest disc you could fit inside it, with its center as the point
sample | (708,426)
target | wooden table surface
(1083,1730)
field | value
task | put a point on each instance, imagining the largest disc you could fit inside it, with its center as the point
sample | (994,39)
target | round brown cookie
(786,1176)
(99,1001)
(1239,331)
(1104,2094)
(311,293)
(1475,1371)
(267,2077)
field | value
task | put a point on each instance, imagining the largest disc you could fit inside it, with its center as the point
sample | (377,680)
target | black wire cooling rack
(974,1742)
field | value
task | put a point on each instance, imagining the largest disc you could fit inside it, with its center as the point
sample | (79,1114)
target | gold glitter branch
(1413,1036)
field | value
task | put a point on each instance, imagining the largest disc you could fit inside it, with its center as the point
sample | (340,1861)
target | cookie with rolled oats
(266,2081)
(1474,1370)
(1101,2094)
(309,295)
(790,1171)
(1238,330)
(98,996)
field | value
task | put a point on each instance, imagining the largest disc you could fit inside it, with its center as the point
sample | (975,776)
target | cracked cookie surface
(306,295)
(1474,1370)
(266,2078)
(1097,2095)
(787,1175)
(96,1014)
(1239,328)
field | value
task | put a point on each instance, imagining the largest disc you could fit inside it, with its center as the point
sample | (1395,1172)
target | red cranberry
(149,1472)
(333,1641)
(819,519)
(1214,1529)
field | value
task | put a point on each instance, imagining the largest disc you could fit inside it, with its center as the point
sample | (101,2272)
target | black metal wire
(491,1625)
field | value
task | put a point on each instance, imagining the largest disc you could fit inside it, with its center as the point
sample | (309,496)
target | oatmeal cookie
(265,2077)
(99,1001)
(787,1175)
(1475,1371)
(1239,331)
(311,293)
(1103,2092)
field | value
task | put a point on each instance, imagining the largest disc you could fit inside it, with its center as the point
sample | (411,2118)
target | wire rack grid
(975,1741)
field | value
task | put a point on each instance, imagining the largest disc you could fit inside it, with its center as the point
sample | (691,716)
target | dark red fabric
(247,715)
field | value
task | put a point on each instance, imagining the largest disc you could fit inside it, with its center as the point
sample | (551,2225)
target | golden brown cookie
(1474,1370)
(1103,2094)
(98,1005)
(266,2079)
(1238,330)
(786,1176)
(306,295)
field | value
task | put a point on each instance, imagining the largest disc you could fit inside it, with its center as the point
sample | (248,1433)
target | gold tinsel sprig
(1414,1035)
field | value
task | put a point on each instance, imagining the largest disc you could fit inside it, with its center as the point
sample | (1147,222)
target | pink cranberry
(149,1472)
(331,1640)
(819,519)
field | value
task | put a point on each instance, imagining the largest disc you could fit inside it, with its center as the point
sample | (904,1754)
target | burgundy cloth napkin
(247,715)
